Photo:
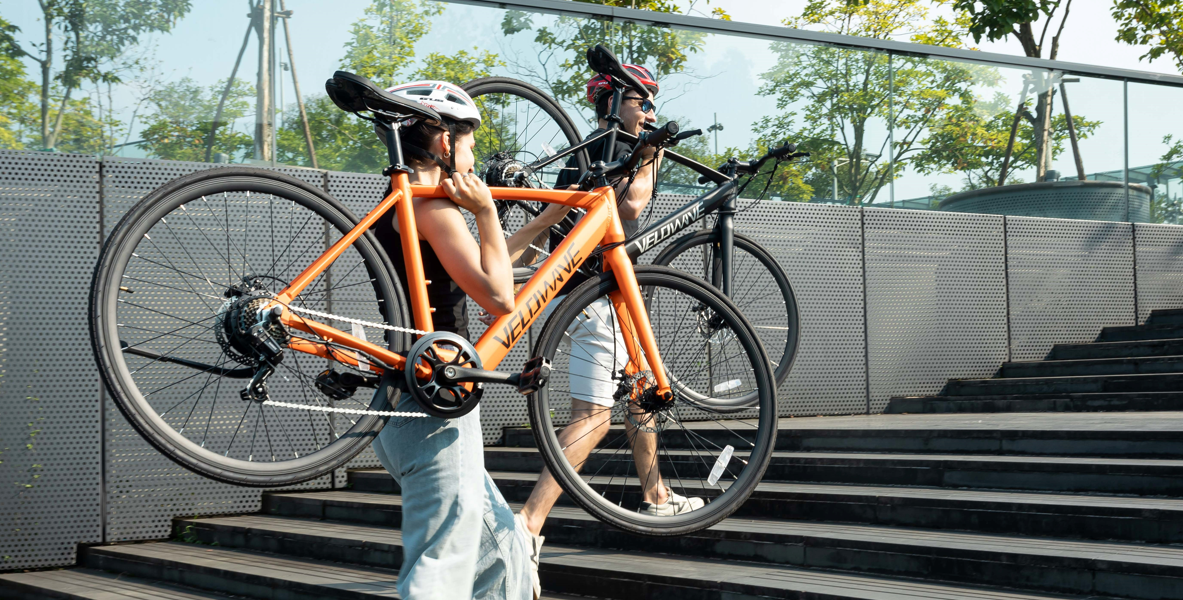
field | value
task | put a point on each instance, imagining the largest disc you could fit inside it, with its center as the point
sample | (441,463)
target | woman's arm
(533,233)
(482,270)
(641,191)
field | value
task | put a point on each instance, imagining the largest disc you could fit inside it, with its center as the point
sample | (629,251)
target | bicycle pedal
(535,374)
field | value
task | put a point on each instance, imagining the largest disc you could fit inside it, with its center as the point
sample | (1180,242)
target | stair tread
(99,585)
(917,540)
(1078,361)
(953,458)
(1009,380)
(1109,502)
(669,568)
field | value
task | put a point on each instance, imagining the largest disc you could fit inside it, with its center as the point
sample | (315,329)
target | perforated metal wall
(1066,199)
(936,300)
(1067,280)
(50,457)
(1158,254)
(145,490)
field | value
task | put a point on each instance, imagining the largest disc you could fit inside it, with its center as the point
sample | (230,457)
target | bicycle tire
(598,502)
(105,335)
(783,364)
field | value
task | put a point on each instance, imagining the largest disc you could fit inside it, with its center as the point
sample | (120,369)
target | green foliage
(836,103)
(16,107)
(181,118)
(996,19)
(383,42)
(1153,23)
(970,139)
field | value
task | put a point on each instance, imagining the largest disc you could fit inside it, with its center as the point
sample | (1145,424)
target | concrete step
(1128,333)
(1038,564)
(1017,436)
(1036,473)
(1168,316)
(1120,518)
(1168,347)
(1096,366)
(1093,384)
(611,574)
(89,584)
(1025,403)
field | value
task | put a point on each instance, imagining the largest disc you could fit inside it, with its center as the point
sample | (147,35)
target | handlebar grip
(784,150)
(687,134)
(661,135)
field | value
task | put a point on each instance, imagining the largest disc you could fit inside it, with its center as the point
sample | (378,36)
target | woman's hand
(468,192)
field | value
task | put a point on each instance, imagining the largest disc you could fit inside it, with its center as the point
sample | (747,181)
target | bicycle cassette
(436,394)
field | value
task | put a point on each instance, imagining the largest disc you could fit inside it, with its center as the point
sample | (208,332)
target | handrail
(599,11)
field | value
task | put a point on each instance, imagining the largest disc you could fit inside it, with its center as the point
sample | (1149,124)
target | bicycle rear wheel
(522,125)
(760,289)
(179,280)
(588,419)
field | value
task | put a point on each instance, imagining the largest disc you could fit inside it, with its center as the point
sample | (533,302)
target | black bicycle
(529,141)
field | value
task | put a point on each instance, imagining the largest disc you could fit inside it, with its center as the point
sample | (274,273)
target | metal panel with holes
(50,440)
(1158,254)
(1067,280)
(145,490)
(936,300)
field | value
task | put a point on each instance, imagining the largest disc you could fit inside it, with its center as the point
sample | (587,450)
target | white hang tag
(548,150)
(359,332)
(720,465)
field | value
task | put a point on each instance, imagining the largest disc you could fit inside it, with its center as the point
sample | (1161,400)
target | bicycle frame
(601,224)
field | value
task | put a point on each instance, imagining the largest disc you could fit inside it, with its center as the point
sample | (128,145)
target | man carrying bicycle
(598,352)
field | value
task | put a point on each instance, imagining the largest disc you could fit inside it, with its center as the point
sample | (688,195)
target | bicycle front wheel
(631,460)
(760,290)
(180,282)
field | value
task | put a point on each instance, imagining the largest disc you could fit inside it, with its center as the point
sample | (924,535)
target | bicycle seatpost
(394,152)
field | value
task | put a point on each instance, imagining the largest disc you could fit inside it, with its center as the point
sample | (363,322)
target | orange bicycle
(250,328)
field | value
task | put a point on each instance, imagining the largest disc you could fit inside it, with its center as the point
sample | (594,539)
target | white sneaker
(534,547)
(673,505)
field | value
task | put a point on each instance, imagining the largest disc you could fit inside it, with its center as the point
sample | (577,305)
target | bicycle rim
(165,293)
(689,446)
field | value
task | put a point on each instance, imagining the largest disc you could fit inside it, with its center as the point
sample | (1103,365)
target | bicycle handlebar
(736,167)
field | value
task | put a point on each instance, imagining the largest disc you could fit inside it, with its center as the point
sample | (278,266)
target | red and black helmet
(602,83)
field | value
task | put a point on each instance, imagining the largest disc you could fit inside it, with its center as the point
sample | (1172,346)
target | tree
(15,90)
(1153,23)
(95,32)
(837,103)
(383,41)
(181,116)
(998,19)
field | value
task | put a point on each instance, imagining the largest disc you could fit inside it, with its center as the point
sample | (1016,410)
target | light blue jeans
(458,531)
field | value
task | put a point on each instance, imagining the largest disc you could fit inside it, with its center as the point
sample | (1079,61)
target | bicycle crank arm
(231,373)
(466,375)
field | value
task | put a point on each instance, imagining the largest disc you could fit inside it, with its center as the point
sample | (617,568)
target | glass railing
(887,124)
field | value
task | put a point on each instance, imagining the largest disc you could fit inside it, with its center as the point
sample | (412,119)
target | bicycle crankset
(435,366)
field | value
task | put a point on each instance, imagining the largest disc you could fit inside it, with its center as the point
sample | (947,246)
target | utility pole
(264,101)
(716,128)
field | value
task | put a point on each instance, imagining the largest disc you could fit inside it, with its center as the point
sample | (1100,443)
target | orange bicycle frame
(601,225)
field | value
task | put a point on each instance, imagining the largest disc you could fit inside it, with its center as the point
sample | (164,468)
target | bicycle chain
(349,411)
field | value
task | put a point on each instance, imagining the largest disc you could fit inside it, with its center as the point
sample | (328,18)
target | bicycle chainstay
(349,411)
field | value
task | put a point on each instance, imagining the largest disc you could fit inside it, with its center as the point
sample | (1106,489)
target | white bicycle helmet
(444,98)
(450,101)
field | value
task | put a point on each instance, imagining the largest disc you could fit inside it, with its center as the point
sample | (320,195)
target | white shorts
(597,352)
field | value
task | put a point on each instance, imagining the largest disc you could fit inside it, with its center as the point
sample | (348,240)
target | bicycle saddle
(602,61)
(354,93)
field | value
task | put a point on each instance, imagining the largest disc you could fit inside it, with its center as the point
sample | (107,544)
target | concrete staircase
(999,506)
(1126,369)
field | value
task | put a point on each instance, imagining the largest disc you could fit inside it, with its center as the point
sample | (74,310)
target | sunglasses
(646,104)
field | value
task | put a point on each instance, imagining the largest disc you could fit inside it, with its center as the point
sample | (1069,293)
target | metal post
(1125,92)
(263,98)
(891,127)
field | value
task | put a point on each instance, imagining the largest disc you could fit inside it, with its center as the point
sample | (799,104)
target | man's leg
(589,424)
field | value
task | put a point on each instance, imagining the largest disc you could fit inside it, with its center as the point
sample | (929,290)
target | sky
(204,44)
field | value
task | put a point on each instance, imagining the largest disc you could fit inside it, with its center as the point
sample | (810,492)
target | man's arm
(641,191)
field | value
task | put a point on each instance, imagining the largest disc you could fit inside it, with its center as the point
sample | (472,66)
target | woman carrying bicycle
(459,535)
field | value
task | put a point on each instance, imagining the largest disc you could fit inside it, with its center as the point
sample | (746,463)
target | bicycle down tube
(600,225)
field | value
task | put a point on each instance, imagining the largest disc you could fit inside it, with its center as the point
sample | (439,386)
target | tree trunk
(57,122)
(46,63)
(1043,127)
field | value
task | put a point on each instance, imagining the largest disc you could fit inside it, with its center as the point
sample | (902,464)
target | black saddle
(354,93)
(602,61)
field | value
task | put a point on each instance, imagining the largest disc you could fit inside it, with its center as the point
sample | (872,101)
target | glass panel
(1156,149)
